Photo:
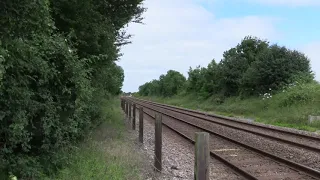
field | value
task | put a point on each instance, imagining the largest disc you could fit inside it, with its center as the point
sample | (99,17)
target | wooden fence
(202,153)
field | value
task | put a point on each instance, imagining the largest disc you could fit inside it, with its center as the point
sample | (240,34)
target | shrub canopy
(57,67)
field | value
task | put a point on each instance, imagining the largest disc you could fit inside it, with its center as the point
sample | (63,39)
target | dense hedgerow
(57,66)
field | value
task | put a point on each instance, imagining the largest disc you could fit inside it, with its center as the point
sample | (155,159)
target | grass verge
(289,108)
(105,155)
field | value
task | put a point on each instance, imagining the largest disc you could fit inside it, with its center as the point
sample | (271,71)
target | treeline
(251,68)
(167,85)
(57,68)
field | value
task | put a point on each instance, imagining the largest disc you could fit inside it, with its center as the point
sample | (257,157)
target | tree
(251,68)
(167,85)
(151,88)
(172,82)
(274,68)
(196,79)
(236,61)
(211,77)
(57,68)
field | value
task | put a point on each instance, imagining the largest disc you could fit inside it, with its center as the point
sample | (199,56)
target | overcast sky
(178,34)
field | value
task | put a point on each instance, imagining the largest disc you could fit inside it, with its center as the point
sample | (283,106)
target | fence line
(202,153)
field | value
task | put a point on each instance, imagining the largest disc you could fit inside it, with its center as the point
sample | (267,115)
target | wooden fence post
(158,143)
(134,117)
(126,108)
(202,154)
(130,109)
(122,104)
(127,111)
(141,124)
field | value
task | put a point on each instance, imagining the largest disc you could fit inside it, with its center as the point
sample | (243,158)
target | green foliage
(24,18)
(104,153)
(167,85)
(235,63)
(2,70)
(171,83)
(253,78)
(38,103)
(288,108)
(275,68)
(299,94)
(196,79)
(57,66)
(94,26)
(203,81)
(251,68)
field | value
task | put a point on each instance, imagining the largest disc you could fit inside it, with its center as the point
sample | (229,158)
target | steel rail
(298,167)
(238,170)
(317,149)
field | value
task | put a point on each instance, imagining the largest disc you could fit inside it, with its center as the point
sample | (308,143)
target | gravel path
(177,154)
(293,153)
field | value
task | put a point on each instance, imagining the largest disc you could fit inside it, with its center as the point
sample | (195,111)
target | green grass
(105,155)
(288,109)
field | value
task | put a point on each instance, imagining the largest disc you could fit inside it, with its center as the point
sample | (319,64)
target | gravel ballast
(177,155)
(290,152)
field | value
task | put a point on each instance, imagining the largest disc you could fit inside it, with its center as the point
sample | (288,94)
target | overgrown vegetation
(288,109)
(269,82)
(105,153)
(57,66)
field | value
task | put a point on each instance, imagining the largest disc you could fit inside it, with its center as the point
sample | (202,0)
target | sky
(179,34)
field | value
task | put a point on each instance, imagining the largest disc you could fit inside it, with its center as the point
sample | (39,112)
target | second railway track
(301,140)
(250,162)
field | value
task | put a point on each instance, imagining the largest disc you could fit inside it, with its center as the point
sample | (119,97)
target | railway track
(299,140)
(247,161)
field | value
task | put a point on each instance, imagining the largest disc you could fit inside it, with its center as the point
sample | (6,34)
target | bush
(57,66)
(38,106)
(299,94)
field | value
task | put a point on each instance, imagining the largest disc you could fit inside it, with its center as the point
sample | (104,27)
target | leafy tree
(211,81)
(276,67)
(57,68)
(196,79)
(167,85)
(95,26)
(251,68)
(172,83)
(236,61)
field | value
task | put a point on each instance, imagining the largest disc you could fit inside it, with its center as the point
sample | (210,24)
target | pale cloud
(180,33)
(312,51)
(294,3)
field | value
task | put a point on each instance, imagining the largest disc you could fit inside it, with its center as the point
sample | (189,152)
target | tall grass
(105,154)
(288,108)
